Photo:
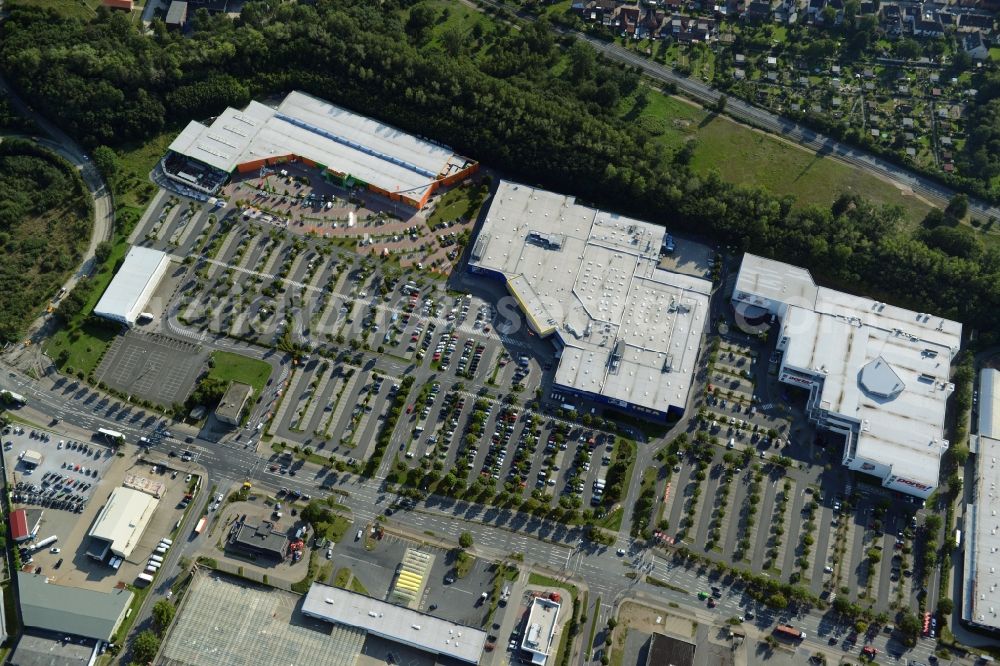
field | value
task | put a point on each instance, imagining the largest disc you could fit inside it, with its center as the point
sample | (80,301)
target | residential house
(892,20)
(975,22)
(758,11)
(975,45)
(692,29)
(629,19)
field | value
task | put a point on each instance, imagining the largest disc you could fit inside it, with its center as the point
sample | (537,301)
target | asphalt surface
(552,547)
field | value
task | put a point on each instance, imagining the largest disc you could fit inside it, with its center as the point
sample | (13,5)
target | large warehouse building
(120,524)
(71,610)
(353,149)
(878,374)
(133,285)
(394,623)
(981,589)
(627,332)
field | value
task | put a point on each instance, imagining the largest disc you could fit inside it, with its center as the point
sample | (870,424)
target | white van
(156,558)
(169,542)
(160,550)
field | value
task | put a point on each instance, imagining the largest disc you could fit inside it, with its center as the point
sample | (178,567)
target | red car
(869,651)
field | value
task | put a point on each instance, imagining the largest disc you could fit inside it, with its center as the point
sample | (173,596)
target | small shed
(31,459)
(177,14)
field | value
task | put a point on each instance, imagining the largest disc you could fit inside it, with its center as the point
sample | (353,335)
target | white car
(621,552)
(54,550)
(329,553)
(357,537)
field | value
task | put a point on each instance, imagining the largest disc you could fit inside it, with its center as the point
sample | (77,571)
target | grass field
(229,367)
(79,345)
(754,158)
(748,157)
(457,202)
(84,345)
(134,188)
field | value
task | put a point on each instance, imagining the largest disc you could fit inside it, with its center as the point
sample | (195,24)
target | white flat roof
(540,628)
(631,330)
(981,598)
(141,267)
(989,403)
(396,623)
(324,133)
(123,519)
(886,368)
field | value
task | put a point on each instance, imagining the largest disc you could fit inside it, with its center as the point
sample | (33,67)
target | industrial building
(47,648)
(540,631)
(233,402)
(352,150)
(71,610)
(627,332)
(24,524)
(133,285)
(395,623)
(877,374)
(981,586)
(665,649)
(224,621)
(259,540)
(120,524)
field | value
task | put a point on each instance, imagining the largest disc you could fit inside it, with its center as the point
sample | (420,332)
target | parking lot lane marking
(358,559)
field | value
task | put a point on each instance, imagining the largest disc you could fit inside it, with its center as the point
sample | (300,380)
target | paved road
(788,129)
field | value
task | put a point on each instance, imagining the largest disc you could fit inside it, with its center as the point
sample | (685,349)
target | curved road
(824,145)
(61,143)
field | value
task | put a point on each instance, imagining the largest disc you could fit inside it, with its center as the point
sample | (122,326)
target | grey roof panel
(71,610)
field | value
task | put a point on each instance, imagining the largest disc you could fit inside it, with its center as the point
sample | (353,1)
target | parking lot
(151,366)
(754,485)
(375,566)
(67,475)
(69,506)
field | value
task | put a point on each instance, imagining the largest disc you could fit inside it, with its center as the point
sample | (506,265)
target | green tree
(108,164)
(163,614)
(945,606)
(777,600)
(102,251)
(909,625)
(958,206)
(465,540)
(145,646)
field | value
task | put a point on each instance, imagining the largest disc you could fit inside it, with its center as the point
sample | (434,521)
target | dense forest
(510,107)
(45,218)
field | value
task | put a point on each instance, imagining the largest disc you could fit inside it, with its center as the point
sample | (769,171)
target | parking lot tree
(932,523)
(909,625)
(777,600)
